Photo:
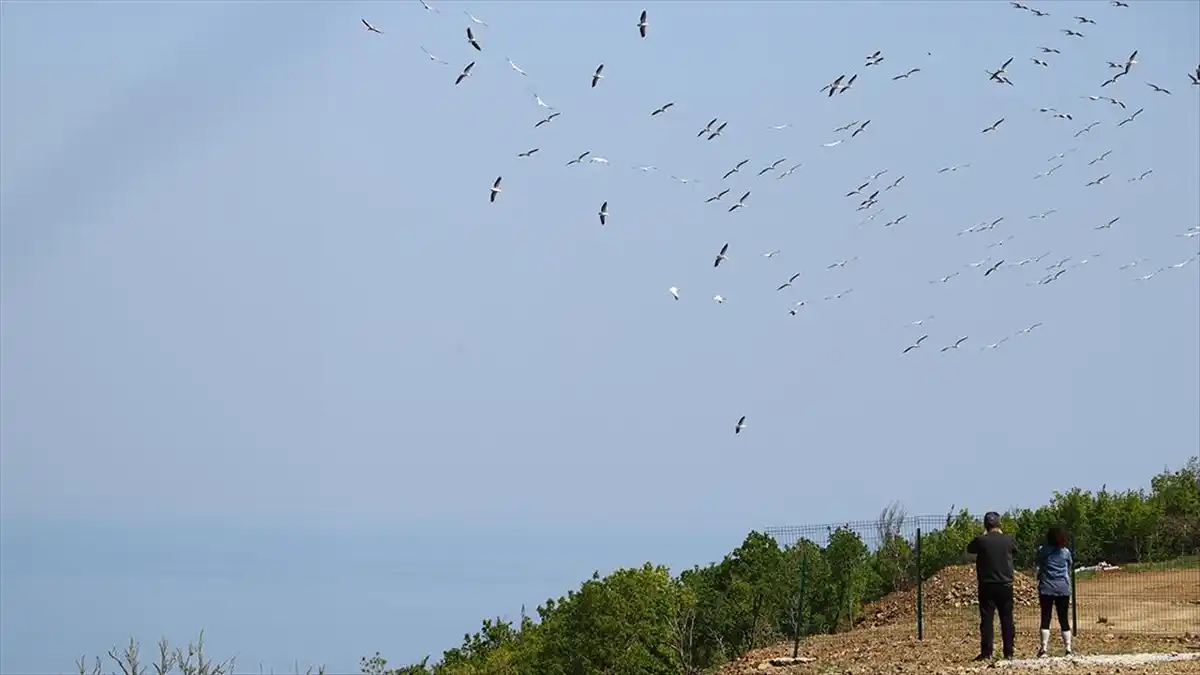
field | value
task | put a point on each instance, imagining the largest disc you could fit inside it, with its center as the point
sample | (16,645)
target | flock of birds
(870,192)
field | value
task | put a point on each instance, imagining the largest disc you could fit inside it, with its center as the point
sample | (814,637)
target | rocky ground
(946,592)
(949,649)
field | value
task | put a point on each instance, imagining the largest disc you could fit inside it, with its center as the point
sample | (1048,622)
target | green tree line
(645,620)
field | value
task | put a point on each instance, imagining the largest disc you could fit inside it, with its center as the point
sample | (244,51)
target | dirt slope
(1111,609)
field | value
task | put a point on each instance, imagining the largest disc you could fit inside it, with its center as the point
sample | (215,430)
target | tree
(892,562)
(847,557)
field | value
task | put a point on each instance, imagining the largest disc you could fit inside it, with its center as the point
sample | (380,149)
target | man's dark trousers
(996,599)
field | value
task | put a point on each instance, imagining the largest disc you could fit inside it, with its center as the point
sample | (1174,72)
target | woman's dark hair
(1056,536)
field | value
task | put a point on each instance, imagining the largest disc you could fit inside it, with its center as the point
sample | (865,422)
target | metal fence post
(920,588)
(1074,591)
(800,602)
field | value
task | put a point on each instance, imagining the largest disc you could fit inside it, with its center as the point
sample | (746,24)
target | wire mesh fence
(910,571)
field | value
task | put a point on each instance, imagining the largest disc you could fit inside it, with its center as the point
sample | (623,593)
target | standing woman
(1054,563)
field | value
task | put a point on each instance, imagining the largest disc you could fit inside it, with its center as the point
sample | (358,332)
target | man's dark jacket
(993,557)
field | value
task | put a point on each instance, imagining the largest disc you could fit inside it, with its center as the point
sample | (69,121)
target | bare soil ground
(1166,602)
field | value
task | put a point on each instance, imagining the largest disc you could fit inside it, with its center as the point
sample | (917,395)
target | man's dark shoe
(983,657)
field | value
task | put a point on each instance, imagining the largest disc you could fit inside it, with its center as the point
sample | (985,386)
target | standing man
(994,573)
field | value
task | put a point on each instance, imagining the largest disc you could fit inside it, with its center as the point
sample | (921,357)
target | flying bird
(995,125)
(735,169)
(996,344)
(916,344)
(434,58)
(527,153)
(465,73)
(740,202)
(547,120)
(773,166)
(643,24)
(1132,117)
(475,20)
(663,109)
(603,213)
(993,268)
(1099,180)
(789,282)
(832,86)
(370,28)
(579,159)
(515,66)
(496,188)
(674,292)
(998,74)
(957,342)
(862,127)
(717,197)
(906,75)
(1158,89)
(474,42)
(596,76)
(790,171)
(721,255)
(717,132)
(741,424)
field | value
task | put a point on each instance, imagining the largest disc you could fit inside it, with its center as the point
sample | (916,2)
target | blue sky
(275,367)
